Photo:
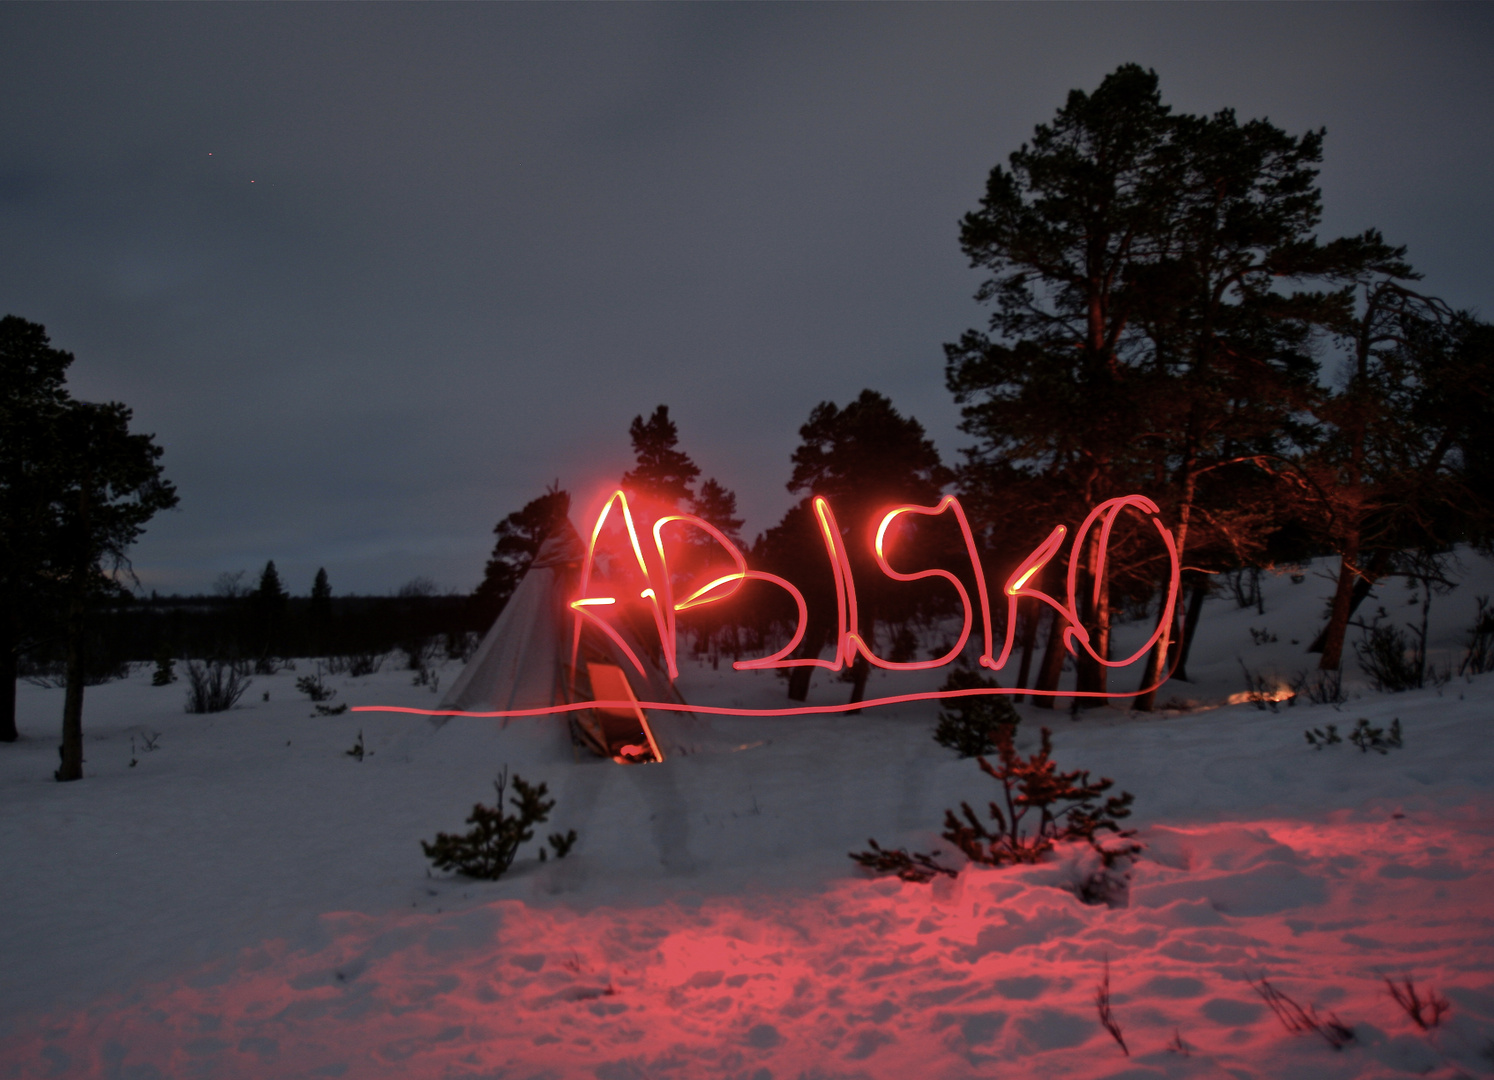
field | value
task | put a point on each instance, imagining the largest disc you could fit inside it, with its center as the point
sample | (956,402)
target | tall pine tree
(520,535)
(663,475)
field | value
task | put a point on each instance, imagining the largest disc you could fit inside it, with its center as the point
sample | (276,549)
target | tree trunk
(1052,669)
(1190,625)
(71,767)
(8,673)
(1363,583)
(1338,616)
(1156,668)
(1029,639)
(859,672)
(810,648)
(1088,674)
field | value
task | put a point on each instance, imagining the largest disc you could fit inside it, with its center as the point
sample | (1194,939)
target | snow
(248,900)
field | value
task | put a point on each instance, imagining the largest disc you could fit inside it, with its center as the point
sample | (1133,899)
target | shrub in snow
(1320,687)
(1065,805)
(489,848)
(313,687)
(1372,738)
(361,664)
(214,687)
(1263,691)
(1317,738)
(1107,1017)
(165,673)
(968,725)
(1364,736)
(1043,808)
(1387,658)
(1425,1012)
(1300,1021)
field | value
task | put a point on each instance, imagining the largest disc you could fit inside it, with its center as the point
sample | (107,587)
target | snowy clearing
(249,900)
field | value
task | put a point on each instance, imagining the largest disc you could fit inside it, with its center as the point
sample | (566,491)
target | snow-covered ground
(249,900)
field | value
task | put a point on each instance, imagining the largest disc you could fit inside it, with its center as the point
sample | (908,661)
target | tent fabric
(524,660)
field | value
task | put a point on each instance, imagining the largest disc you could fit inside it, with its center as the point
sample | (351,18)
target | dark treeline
(133,630)
(1164,320)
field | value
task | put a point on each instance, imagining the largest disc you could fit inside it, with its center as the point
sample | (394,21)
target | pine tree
(520,535)
(488,849)
(1137,260)
(269,602)
(319,613)
(1403,465)
(663,475)
(32,395)
(1065,806)
(106,483)
(718,505)
(864,458)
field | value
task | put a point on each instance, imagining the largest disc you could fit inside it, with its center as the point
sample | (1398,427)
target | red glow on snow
(723,583)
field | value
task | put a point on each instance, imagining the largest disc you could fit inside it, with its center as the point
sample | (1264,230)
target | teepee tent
(525,662)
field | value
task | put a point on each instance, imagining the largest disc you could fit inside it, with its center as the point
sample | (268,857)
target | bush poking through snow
(1102,1006)
(214,687)
(1364,736)
(313,687)
(1317,738)
(488,849)
(968,725)
(1262,691)
(1387,658)
(1300,1021)
(1372,738)
(355,665)
(1425,1012)
(1034,786)
(1320,687)
(909,866)
(560,843)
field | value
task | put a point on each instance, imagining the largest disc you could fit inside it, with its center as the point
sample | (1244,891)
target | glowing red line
(580,604)
(722,710)
(849,641)
(878,546)
(845,590)
(667,633)
(1109,510)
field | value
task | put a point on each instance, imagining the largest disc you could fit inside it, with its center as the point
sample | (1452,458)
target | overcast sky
(375,275)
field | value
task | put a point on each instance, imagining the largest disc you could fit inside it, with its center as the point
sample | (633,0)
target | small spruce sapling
(1317,738)
(1066,805)
(313,687)
(967,725)
(1029,785)
(489,848)
(1369,738)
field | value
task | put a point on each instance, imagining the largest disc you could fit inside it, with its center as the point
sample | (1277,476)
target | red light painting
(652,568)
